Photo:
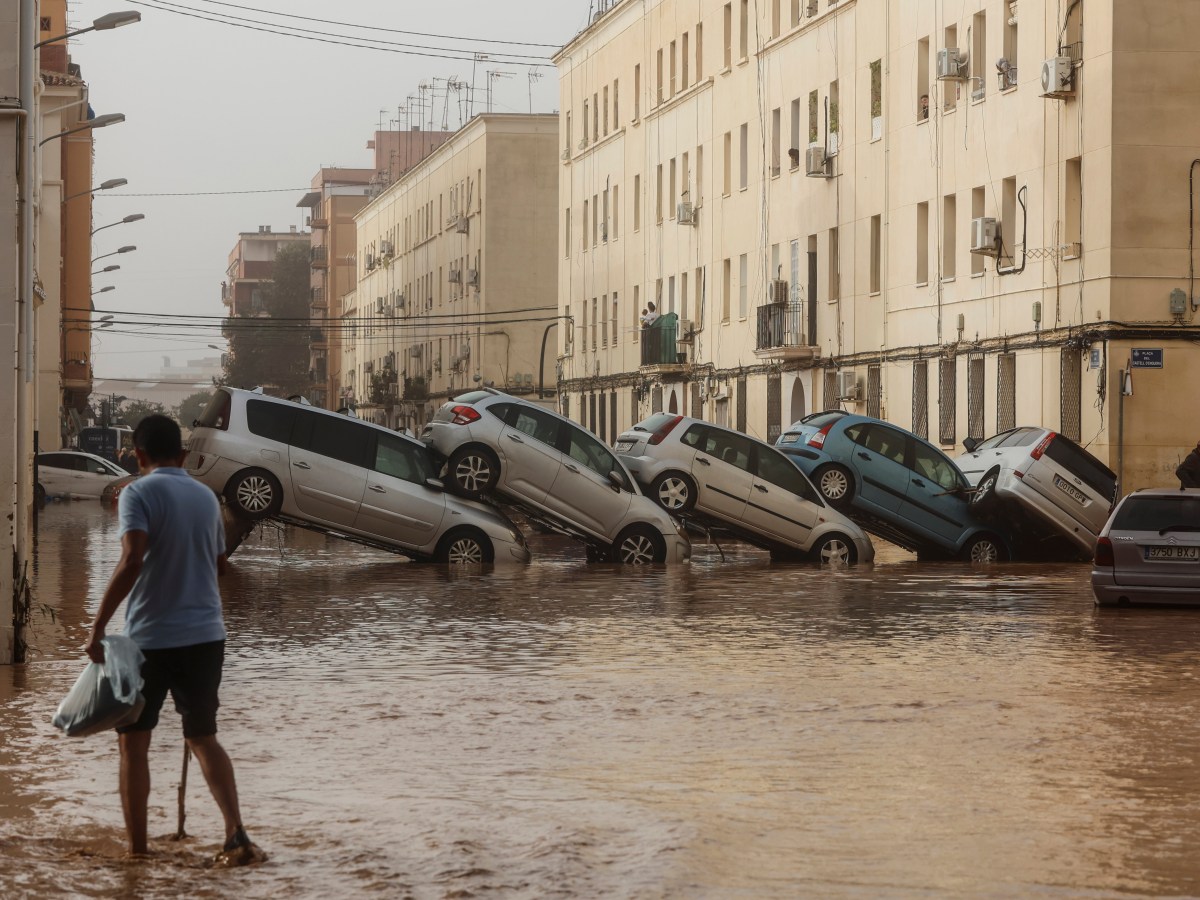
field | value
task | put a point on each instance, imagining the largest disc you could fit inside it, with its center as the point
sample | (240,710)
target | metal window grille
(635,407)
(741,404)
(975,390)
(1071,370)
(920,410)
(592,413)
(774,408)
(696,409)
(603,418)
(656,399)
(566,406)
(1006,392)
(947,400)
(829,390)
(612,417)
(874,391)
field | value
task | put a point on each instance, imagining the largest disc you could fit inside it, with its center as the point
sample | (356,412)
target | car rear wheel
(254,494)
(834,550)
(835,483)
(639,545)
(984,548)
(674,492)
(473,471)
(464,547)
(984,497)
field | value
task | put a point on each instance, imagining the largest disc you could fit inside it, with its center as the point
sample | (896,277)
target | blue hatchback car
(896,484)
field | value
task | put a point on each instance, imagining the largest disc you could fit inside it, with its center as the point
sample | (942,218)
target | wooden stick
(180,834)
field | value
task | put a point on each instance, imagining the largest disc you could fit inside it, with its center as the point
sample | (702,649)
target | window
(685,178)
(604,218)
(1006,392)
(834,121)
(534,423)
(922,243)
(616,320)
(949,231)
(637,314)
(947,382)
(699,52)
(776,137)
(794,144)
(727,446)
(726,292)
(670,295)
(930,464)
(743,286)
(744,158)
(698,195)
(674,66)
(835,265)
(1073,207)
(874,391)
(658,76)
(776,15)
(272,421)
(744,31)
(566,232)
(728,35)
(975,390)
(683,296)
(637,92)
(659,201)
(1008,219)
(596,116)
(812,117)
(587,451)
(605,119)
(337,438)
(876,252)
(876,99)
(585,123)
(567,129)
(671,190)
(403,459)
(770,465)
(616,104)
(727,179)
(978,61)
(1071,371)
(595,321)
(795,17)
(977,259)
(1008,70)
(950,88)
(920,414)
(637,202)
(886,442)
(616,212)
(684,52)
(584,229)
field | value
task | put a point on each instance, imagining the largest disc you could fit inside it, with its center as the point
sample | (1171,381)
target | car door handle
(515,438)
(301,465)
(918,482)
(865,456)
(377,489)
(571,468)
(759,487)
(702,461)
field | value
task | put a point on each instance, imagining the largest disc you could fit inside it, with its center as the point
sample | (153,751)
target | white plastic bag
(107,695)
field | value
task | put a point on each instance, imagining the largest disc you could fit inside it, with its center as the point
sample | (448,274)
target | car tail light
(464,415)
(663,430)
(1043,445)
(818,439)
(1104,552)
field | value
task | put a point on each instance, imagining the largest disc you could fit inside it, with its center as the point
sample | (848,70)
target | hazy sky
(210,107)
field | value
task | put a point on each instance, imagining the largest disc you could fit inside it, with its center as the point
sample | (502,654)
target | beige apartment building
(958,217)
(456,273)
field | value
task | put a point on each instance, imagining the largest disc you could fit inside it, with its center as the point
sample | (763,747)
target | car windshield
(1158,513)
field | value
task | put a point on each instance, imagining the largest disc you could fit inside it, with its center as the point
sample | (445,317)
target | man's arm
(133,549)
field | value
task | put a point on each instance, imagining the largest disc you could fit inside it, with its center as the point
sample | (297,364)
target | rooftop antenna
(534,75)
(492,75)
(476,59)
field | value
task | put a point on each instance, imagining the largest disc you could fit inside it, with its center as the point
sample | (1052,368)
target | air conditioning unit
(415,351)
(687,331)
(816,165)
(985,236)
(779,291)
(473,278)
(951,64)
(848,386)
(385,248)
(686,214)
(455,275)
(1058,77)
(811,9)
(463,225)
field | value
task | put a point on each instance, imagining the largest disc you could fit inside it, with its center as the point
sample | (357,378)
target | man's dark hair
(159,438)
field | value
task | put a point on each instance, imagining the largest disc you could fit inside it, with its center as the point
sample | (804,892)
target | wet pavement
(735,729)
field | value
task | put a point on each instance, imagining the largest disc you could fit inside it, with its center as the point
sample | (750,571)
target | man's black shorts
(193,676)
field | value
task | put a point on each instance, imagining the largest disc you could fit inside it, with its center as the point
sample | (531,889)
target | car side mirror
(615,481)
(971,444)
(435,483)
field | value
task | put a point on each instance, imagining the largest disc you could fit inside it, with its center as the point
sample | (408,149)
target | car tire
(473,471)
(594,554)
(835,484)
(984,498)
(834,549)
(465,546)
(639,545)
(674,492)
(984,548)
(254,494)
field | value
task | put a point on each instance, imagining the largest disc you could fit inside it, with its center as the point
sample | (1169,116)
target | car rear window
(1154,513)
(655,422)
(1078,461)
(272,421)
(821,419)
(216,414)
(1023,437)
(473,396)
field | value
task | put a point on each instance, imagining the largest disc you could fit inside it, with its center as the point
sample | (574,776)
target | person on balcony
(651,315)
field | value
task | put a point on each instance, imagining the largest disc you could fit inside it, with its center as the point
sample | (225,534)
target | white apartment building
(958,217)
(456,273)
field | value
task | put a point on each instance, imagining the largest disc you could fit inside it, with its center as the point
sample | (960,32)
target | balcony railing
(659,341)
(318,255)
(783,325)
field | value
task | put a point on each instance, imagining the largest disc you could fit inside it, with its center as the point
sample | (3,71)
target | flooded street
(724,729)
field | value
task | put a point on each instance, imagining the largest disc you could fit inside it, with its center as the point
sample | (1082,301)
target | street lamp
(105,289)
(104,186)
(128,248)
(134,217)
(109,268)
(104,23)
(99,122)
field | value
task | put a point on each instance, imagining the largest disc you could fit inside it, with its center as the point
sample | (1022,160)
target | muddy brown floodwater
(724,729)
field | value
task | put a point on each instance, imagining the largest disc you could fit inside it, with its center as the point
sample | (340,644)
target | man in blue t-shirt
(172,549)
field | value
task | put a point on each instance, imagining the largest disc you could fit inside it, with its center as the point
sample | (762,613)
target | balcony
(319,257)
(661,354)
(316,297)
(785,332)
(316,222)
(316,336)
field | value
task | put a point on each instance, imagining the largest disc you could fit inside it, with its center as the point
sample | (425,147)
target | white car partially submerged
(73,473)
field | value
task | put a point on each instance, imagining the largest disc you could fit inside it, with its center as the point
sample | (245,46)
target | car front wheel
(984,548)
(834,550)
(473,471)
(464,548)
(984,497)
(254,494)
(835,483)
(639,545)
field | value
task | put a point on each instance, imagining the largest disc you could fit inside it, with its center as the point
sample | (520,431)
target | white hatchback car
(73,473)
(1064,487)
(1149,552)
(334,473)
(726,478)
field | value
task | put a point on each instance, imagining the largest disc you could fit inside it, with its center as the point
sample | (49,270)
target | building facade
(456,272)
(248,272)
(880,205)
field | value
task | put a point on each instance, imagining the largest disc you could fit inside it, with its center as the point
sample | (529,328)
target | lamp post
(103,186)
(98,122)
(105,289)
(112,267)
(128,248)
(104,23)
(134,217)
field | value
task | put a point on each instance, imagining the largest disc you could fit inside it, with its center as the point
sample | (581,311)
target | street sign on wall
(1146,358)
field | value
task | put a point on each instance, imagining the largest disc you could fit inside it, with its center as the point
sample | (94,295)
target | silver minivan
(275,458)
(1149,552)
(1043,473)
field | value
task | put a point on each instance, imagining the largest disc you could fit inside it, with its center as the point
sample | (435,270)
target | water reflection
(726,728)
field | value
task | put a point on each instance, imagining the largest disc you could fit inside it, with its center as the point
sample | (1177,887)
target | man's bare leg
(135,786)
(218,772)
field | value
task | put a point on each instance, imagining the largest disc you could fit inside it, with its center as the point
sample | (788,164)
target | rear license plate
(1186,554)
(1075,494)
(789,439)
(623,446)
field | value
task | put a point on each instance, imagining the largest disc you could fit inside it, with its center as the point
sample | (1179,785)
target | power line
(210,193)
(300,319)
